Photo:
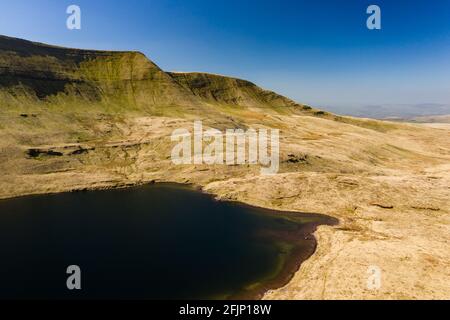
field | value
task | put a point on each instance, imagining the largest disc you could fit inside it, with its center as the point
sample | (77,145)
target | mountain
(122,80)
(84,119)
(220,89)
(34,74)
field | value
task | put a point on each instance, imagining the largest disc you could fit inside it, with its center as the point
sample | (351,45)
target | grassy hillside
(231,91)
(36,77)
(36,74)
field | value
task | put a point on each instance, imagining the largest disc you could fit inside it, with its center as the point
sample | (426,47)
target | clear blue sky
(317,52)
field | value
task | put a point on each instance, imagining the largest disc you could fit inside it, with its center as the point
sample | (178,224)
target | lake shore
(290,234)
(394,215)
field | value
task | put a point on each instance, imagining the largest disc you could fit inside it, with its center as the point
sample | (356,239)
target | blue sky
(316,52)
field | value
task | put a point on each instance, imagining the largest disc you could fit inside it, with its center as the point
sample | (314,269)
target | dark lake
(160,241)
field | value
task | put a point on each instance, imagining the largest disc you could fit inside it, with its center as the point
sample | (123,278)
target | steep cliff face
(227,90)
(39,72)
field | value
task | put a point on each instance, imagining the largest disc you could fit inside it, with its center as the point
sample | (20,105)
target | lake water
(161,241)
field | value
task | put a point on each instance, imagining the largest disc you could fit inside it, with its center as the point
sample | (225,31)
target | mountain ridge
(48,70)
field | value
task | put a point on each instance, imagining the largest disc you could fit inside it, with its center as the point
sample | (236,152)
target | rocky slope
(81,119)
